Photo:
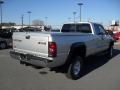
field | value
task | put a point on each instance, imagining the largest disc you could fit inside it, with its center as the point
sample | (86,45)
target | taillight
(52,49)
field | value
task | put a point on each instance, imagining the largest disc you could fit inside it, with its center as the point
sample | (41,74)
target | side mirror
(110,33)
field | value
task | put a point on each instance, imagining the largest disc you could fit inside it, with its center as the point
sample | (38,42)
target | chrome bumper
(37,61)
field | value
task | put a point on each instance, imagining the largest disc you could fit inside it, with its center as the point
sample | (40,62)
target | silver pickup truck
(70,47)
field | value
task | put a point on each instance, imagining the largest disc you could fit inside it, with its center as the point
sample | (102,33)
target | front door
(103,41)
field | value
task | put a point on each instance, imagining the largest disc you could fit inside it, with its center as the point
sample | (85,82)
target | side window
(102,29)
(99,29)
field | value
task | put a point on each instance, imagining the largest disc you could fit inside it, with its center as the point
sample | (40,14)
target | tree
(37,22)
(9,24)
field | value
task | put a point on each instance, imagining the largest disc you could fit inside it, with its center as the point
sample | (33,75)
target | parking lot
(100,73)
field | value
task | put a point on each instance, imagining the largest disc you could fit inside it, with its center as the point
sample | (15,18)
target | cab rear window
(83,28)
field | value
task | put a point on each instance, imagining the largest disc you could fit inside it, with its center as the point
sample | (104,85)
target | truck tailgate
(31,43)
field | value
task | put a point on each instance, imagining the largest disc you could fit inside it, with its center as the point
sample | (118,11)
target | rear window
(83,28)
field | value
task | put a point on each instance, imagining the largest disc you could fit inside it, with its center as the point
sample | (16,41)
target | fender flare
(78,48)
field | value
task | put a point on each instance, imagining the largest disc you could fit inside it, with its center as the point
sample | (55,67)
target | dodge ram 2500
(70,47)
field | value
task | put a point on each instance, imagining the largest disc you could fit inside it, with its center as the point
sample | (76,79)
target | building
(115,26)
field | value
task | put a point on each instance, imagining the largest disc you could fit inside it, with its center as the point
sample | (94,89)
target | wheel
(75,68)
(110,52)
(3,45)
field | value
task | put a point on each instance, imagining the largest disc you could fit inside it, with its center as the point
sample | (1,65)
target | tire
(3,45)
(110,52)
(75,68)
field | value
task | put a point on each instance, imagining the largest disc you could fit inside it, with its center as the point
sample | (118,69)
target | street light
(69,19)
(1,2)
(80,4)
(46,20)
(29,13)
(74,15)
(22,17)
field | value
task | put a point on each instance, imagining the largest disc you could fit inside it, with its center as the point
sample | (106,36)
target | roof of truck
(81,22)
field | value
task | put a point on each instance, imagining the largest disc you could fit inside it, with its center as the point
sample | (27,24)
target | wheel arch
(78,48)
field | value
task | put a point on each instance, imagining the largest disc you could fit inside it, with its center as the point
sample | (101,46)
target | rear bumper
(34,60)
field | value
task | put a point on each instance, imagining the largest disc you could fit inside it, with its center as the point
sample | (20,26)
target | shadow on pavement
(91,63)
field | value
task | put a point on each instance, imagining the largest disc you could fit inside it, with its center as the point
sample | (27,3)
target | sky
(58,11)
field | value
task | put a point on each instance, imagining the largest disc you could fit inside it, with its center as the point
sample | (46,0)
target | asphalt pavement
(100,73)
